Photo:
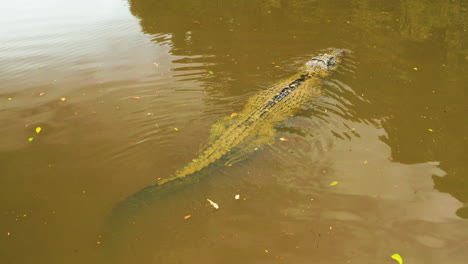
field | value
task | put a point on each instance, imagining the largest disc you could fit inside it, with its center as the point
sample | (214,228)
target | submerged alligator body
(253,127)
(235,136)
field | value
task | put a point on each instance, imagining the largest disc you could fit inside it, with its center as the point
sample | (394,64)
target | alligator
(239,134)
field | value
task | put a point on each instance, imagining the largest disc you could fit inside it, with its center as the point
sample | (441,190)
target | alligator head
(324,62)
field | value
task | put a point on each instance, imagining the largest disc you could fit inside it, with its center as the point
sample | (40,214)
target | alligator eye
(331,61)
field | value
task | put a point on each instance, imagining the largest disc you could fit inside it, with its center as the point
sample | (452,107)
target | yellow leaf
(187,217)
(415,68)
(430,130)
(38,130)
(176,129)
(63,99)
(30,139)
(234,115)
(398,258)
(333,183)
(9,99)
(284,139)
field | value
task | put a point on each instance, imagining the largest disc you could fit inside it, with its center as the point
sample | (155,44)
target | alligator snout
(325,61)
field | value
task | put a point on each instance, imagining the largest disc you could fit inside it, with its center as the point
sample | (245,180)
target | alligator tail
(127,210)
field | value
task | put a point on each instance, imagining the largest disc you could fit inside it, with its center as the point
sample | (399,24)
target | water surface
(126,92)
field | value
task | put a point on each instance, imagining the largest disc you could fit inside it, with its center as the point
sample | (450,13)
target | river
(101,98)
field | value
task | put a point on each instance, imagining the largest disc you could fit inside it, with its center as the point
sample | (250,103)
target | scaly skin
(251,129)
(264,111)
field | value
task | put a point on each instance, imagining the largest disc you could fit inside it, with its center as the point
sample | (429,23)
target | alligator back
(235,136)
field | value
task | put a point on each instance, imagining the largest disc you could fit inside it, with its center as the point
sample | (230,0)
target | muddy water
(125,94)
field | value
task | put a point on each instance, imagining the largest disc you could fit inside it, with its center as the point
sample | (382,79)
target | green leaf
(210,72)
(398,258)
(30,139)
(333,183)
(38,130)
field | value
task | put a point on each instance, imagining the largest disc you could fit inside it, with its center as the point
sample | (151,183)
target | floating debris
(30,139)
(38,130)
(430,130)
(237,197)
(210,72)
(187,217)
(415,68)
(63,99)
(283,139)
(333,183)
(176,129)
(233,115)
(398,258)
(215,205)
(136,97)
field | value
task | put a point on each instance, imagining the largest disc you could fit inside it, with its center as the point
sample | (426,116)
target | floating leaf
(215,205)
(284,139)
(187,217)
(176,129)
(210,72)
(398,258)
(9,99)
(415,68)
(30,139)
(430,130)
(333,183)
(237,197)
(63,99)
(38,130)
(233,115)
(136,97)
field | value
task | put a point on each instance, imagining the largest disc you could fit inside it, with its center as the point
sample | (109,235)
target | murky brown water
(108,82)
